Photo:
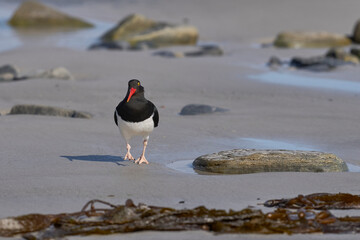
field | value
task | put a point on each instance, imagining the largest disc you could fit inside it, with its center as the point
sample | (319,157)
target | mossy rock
(138,31)
(32,14)
(128,27)
(168,36)
(310,40)
(241,161)
(48,111)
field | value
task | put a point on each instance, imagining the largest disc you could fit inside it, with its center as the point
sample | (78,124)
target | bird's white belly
(130,129)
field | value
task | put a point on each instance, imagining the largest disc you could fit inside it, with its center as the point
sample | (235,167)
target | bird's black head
(134,89)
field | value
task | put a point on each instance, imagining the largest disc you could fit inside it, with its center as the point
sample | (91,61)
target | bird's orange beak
(132,91)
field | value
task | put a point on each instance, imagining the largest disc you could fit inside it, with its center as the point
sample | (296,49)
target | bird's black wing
(115,118)
(156,117)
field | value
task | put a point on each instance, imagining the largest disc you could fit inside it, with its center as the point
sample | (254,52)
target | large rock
(138,31)
(168,36)
(310,40)
(240,161)
(48,111)
(128,27)
(32,14)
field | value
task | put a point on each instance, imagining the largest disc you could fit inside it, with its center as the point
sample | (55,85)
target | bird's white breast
(130,129)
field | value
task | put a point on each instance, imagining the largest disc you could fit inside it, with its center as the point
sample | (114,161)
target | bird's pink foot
(128,154)
(129,157)
(141,160)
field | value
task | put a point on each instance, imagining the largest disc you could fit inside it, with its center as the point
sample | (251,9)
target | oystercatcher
(136,116)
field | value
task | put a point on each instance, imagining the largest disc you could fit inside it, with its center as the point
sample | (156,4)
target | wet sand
(53,164)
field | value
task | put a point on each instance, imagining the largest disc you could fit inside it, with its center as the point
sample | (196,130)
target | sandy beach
(56,164)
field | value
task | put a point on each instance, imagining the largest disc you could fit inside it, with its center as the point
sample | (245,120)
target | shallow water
(184,166)
(8,39)
(82,39)
(353,168)
(78,39)
(306,81)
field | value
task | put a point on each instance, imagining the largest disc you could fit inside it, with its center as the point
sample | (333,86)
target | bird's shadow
(97,158)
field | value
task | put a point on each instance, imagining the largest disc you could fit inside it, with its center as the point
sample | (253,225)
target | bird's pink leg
(142,158)
(128,154)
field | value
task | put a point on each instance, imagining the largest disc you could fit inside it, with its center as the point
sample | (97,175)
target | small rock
(169,54)
(58,73)
(32,14)
(206,50)
(274,62)
(310,40)
(195,109)
(241,161)
(48,111)
(341,54)
(8,73)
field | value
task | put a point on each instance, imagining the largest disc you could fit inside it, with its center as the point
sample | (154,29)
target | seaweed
(110,219)
(319,201)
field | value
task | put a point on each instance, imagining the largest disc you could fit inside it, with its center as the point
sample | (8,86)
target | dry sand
(52,165)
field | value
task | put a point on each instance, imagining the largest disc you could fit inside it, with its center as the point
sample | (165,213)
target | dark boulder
(196,109)
(48,111)
(317,64)
(8,73)
(201,51)
(341,54)
(356,32)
